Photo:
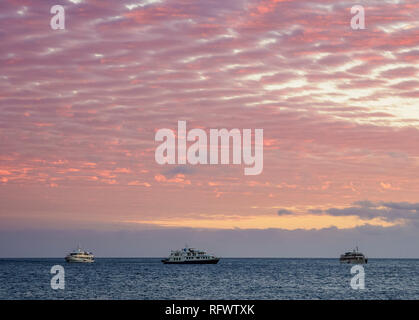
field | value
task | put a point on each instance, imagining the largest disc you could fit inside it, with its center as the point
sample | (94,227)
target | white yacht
(354,256)
(190,256)
(80,255)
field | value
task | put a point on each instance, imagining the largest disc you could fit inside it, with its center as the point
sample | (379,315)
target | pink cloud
(80,108)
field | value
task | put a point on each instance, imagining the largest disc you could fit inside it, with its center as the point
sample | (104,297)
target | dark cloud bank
(387,211)
(392,242)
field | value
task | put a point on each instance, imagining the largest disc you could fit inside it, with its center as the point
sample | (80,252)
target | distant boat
(354,257)
(190,256)
(80,256)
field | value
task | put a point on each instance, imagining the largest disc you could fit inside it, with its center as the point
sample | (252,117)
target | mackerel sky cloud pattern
(80,107)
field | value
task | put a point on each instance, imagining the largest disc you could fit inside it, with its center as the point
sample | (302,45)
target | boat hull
(78,260)
(354,261)
(212,261)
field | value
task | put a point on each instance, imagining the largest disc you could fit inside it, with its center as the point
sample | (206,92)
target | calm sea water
(230,279)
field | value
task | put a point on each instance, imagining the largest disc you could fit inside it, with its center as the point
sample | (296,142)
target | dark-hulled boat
(354,257)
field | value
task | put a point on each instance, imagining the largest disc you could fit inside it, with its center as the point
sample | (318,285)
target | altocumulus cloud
(183,169)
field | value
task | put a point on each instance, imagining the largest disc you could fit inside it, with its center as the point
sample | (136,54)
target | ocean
(231,278)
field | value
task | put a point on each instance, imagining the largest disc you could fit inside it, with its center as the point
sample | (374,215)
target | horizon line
(247,257)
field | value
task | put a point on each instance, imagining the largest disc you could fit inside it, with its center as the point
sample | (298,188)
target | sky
(80,107)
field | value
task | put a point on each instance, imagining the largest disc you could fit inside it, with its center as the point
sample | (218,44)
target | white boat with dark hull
(354,257)
(80,256)
(190,256)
